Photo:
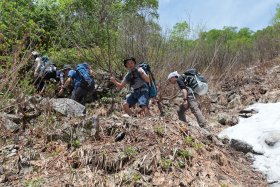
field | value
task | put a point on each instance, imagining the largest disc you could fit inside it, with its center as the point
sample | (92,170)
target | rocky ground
(45,142)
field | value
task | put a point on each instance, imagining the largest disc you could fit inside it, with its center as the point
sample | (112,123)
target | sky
(215,14)
(255,131)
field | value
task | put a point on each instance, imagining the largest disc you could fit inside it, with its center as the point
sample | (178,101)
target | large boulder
(272,139)
(67,107)
(225,119)
(8,124)
(241,146)
(87,129)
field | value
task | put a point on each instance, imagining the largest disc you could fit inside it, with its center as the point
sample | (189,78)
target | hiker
(82,82)
(187,84)
(44,72)
(138,81)
(61,76)
(38,83)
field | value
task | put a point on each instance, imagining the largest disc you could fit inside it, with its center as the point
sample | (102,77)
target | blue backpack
(87,81)
(152,86)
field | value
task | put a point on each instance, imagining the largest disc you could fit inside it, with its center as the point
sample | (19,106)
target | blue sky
(215,14)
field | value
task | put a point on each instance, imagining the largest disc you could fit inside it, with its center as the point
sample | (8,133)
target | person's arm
(38,65)
(143,75)
(67,82)
(61,78)
(185,94)
(65,85)
(119,85)
(183,87)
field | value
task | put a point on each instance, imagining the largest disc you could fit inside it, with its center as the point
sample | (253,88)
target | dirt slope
(50,149)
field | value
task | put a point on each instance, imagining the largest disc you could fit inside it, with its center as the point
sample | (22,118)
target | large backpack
(87,81)
(201,86)
(47,67)
(152,85)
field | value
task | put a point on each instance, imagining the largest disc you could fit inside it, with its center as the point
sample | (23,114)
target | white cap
(34,53)
(173,74)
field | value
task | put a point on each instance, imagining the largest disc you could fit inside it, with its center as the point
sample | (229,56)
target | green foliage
(184,154)
(37,182)
(159,130)
(76,143)
(224,185)
(276,18)
(136,177)
(106,100)
(180,164)
(130,151)
(198,146)
(188,140)
(180,31)
(166,164)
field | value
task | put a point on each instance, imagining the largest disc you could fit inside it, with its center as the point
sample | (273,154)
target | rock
(12,117)
(272,139)
(1,170)
(234,101)
(225,119)
(246,115)
(83,130)
(232,96)
(263,90)
(67,107)
(25,161)
(8,124)
(9,148)
(214,98)
(241,146)
(3,179)
(120,137)
(222,100)
(11,155)
(246,111)
(270,97)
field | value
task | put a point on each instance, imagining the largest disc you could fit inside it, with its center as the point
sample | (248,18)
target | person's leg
(78,94)
(127,109)
(197,113)
(130,101)
(181,113)
(143,101)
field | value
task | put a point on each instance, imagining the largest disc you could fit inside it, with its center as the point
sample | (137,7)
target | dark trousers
(78,94)
(193,105)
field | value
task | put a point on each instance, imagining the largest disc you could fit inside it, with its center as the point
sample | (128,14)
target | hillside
(42,147)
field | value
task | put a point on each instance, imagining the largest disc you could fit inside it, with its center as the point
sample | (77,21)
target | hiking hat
(173,74)
(35,53)
(127,59)
(66,66)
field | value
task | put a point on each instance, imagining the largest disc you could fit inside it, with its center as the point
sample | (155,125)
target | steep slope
(46,148)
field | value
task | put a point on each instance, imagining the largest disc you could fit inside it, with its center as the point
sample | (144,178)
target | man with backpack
(82,82)
(138,81)
(44,71)
(192,85)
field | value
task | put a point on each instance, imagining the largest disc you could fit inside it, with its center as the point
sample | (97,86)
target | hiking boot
(181,115)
